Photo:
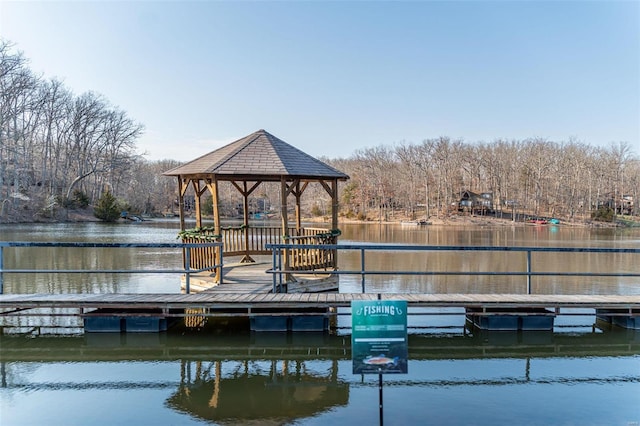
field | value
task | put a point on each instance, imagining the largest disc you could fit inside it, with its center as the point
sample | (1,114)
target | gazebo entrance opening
(246,164)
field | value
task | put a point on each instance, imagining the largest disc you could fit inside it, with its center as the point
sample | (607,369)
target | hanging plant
(235,228)
(331,233)
(200,233)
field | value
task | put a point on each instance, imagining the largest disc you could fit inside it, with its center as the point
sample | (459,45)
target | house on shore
(474,203)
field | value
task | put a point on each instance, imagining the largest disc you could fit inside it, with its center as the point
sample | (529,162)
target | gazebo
(246,163)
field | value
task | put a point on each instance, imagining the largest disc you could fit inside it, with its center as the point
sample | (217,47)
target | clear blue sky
(334,77)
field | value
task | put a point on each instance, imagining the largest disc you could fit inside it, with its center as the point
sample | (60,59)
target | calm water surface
(166,232)
(581,373)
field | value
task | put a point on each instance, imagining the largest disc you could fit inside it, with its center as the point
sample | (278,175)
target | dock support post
(528,271)
(276,267)
(380,398)
(221,264)
(273,268)
(362,269)
(1,269)
(187,284)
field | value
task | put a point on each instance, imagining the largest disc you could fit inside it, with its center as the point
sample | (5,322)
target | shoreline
(78,216)
(480,221)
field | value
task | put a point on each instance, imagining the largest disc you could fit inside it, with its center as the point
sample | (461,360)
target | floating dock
(299,311)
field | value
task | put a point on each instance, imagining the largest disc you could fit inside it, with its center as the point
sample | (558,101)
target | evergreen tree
(107,208)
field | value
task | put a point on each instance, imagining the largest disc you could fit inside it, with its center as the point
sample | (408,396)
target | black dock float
(290,320)
(309,323)
(625,318)
(511,319)
(269,323)
(114,321)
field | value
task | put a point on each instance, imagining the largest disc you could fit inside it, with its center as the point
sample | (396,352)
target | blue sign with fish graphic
(379,336)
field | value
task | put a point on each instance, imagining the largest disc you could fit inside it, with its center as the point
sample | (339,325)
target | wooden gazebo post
(246,191)
(245,222)
(217,229)
(198,207)
(182,187)
(297,193)
(334,215)
(284,218)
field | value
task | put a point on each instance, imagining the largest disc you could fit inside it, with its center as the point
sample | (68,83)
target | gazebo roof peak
(259,154)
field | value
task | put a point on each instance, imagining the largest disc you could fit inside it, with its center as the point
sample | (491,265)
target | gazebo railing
(250,240)
(307,258)
(247,241)
(202,258)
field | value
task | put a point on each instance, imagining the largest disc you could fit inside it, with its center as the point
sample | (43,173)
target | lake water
(581,373)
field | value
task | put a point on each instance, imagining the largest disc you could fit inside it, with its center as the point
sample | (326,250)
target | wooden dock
(14,304)
(303,312)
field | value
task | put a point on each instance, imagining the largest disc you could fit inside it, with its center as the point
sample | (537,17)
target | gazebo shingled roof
(259,155)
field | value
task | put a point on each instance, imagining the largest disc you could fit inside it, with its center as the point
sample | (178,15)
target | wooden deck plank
(261,297)
(253,297)
(244,298)
(415,298)
(288,297)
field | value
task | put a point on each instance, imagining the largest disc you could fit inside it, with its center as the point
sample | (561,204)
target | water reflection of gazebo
(246,163)
(285,392)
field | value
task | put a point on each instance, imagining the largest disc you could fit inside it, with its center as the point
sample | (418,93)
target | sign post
(379,339)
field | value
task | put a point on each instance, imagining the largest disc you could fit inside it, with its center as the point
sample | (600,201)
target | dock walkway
(222,302)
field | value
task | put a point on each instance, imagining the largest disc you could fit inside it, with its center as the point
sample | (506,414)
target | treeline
(534,176)
(59,150)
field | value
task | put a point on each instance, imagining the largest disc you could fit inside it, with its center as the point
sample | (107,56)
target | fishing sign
(379,336)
